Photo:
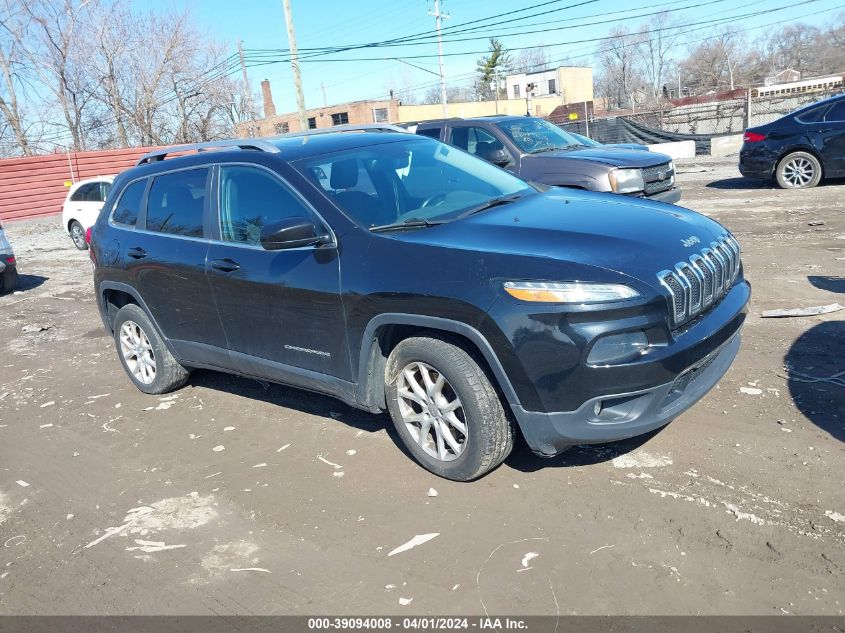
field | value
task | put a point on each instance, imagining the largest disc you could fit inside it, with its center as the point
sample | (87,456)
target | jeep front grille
(699,283)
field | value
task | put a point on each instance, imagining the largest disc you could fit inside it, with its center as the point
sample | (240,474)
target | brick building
(354,112)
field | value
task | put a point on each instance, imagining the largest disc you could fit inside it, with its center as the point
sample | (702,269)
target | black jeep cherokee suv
(395,272)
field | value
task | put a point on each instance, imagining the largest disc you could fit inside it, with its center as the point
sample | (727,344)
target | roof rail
(364,127)
(252,144)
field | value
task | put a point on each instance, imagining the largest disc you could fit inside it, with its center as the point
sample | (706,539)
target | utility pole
(294,64)
(437,19)
(247,91)
(323,88)
(587,118)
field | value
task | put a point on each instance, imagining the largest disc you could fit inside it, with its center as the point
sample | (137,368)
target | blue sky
(320,23)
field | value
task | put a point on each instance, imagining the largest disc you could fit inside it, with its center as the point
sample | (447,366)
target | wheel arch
(807,149)
(385,331)
(114,295)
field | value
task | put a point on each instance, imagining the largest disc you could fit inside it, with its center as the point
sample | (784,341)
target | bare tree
(654,50)
(724,61)
(795,46)
(13,24)
(58,55)
(617,68)
(531,60)
(114,39)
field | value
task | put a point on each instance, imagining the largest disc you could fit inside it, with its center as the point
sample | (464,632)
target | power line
(705,23)
(425,85)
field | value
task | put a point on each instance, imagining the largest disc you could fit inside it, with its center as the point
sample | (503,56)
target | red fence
(35,185)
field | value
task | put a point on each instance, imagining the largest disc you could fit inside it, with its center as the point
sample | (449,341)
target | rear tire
(798,170)
(147,361)
(77,234)
(445,409)
(9,280)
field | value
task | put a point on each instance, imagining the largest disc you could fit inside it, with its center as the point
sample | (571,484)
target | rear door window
(432,132)
(836,113)
(89,192)
(813,115)
(176,202)
(126,209)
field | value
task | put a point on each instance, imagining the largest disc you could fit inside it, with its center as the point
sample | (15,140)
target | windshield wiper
(493,202)
(557,149)
(411,223)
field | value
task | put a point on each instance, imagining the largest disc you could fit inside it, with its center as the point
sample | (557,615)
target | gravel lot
(236,497)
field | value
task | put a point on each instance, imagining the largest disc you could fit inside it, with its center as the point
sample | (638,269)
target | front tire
(77,234)
(147,361)
(445,409)
(798,170)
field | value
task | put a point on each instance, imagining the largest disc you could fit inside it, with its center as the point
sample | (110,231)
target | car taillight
(88,236)
(753,137)
(10,259)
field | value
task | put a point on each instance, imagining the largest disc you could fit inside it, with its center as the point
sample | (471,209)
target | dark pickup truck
(540,152)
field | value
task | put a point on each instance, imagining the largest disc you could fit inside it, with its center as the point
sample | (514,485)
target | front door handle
(225,265)
(136,253)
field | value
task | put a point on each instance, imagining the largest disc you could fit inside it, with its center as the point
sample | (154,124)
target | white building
(572,83)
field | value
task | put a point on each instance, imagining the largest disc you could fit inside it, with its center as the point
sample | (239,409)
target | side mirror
(292,233)
(498,157)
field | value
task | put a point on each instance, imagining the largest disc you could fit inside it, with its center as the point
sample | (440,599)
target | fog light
(618,348)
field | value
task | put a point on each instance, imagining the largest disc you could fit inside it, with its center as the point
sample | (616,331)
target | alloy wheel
(78,236)
(432,412)
(798,172)
(137,352)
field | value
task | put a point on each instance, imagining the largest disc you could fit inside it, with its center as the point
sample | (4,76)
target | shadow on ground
(740,183)
(828,282)
(292,398)
(28,282)
(815,370)
(524,460)
(521,458)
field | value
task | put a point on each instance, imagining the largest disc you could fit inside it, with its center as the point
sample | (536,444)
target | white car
(8,265)
(82,206)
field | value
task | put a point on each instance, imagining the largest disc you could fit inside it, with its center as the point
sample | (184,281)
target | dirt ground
(237,497)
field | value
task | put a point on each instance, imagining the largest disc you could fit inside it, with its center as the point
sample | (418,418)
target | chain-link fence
(731,116)
(698,122)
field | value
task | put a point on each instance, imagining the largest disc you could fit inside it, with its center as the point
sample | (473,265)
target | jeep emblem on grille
(692,240)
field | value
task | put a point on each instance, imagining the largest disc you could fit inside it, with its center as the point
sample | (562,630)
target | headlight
(618,348)
(626,180)
(568,292)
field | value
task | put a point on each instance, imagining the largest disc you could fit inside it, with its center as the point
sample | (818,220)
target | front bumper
(625,415)
(670,196)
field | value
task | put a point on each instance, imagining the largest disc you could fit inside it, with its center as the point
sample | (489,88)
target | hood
(631,236)
(636,146)
(608,155)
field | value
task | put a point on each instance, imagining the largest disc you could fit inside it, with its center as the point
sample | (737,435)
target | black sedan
(800,149)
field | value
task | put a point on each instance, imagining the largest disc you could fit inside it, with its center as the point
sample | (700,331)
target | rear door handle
(225,265)
(136,253)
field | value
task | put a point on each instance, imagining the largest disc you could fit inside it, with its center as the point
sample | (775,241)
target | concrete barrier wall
(677,149)
(726,145)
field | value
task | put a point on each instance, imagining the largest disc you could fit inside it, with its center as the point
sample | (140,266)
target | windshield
(585,140)
(415,180)
(537,135)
